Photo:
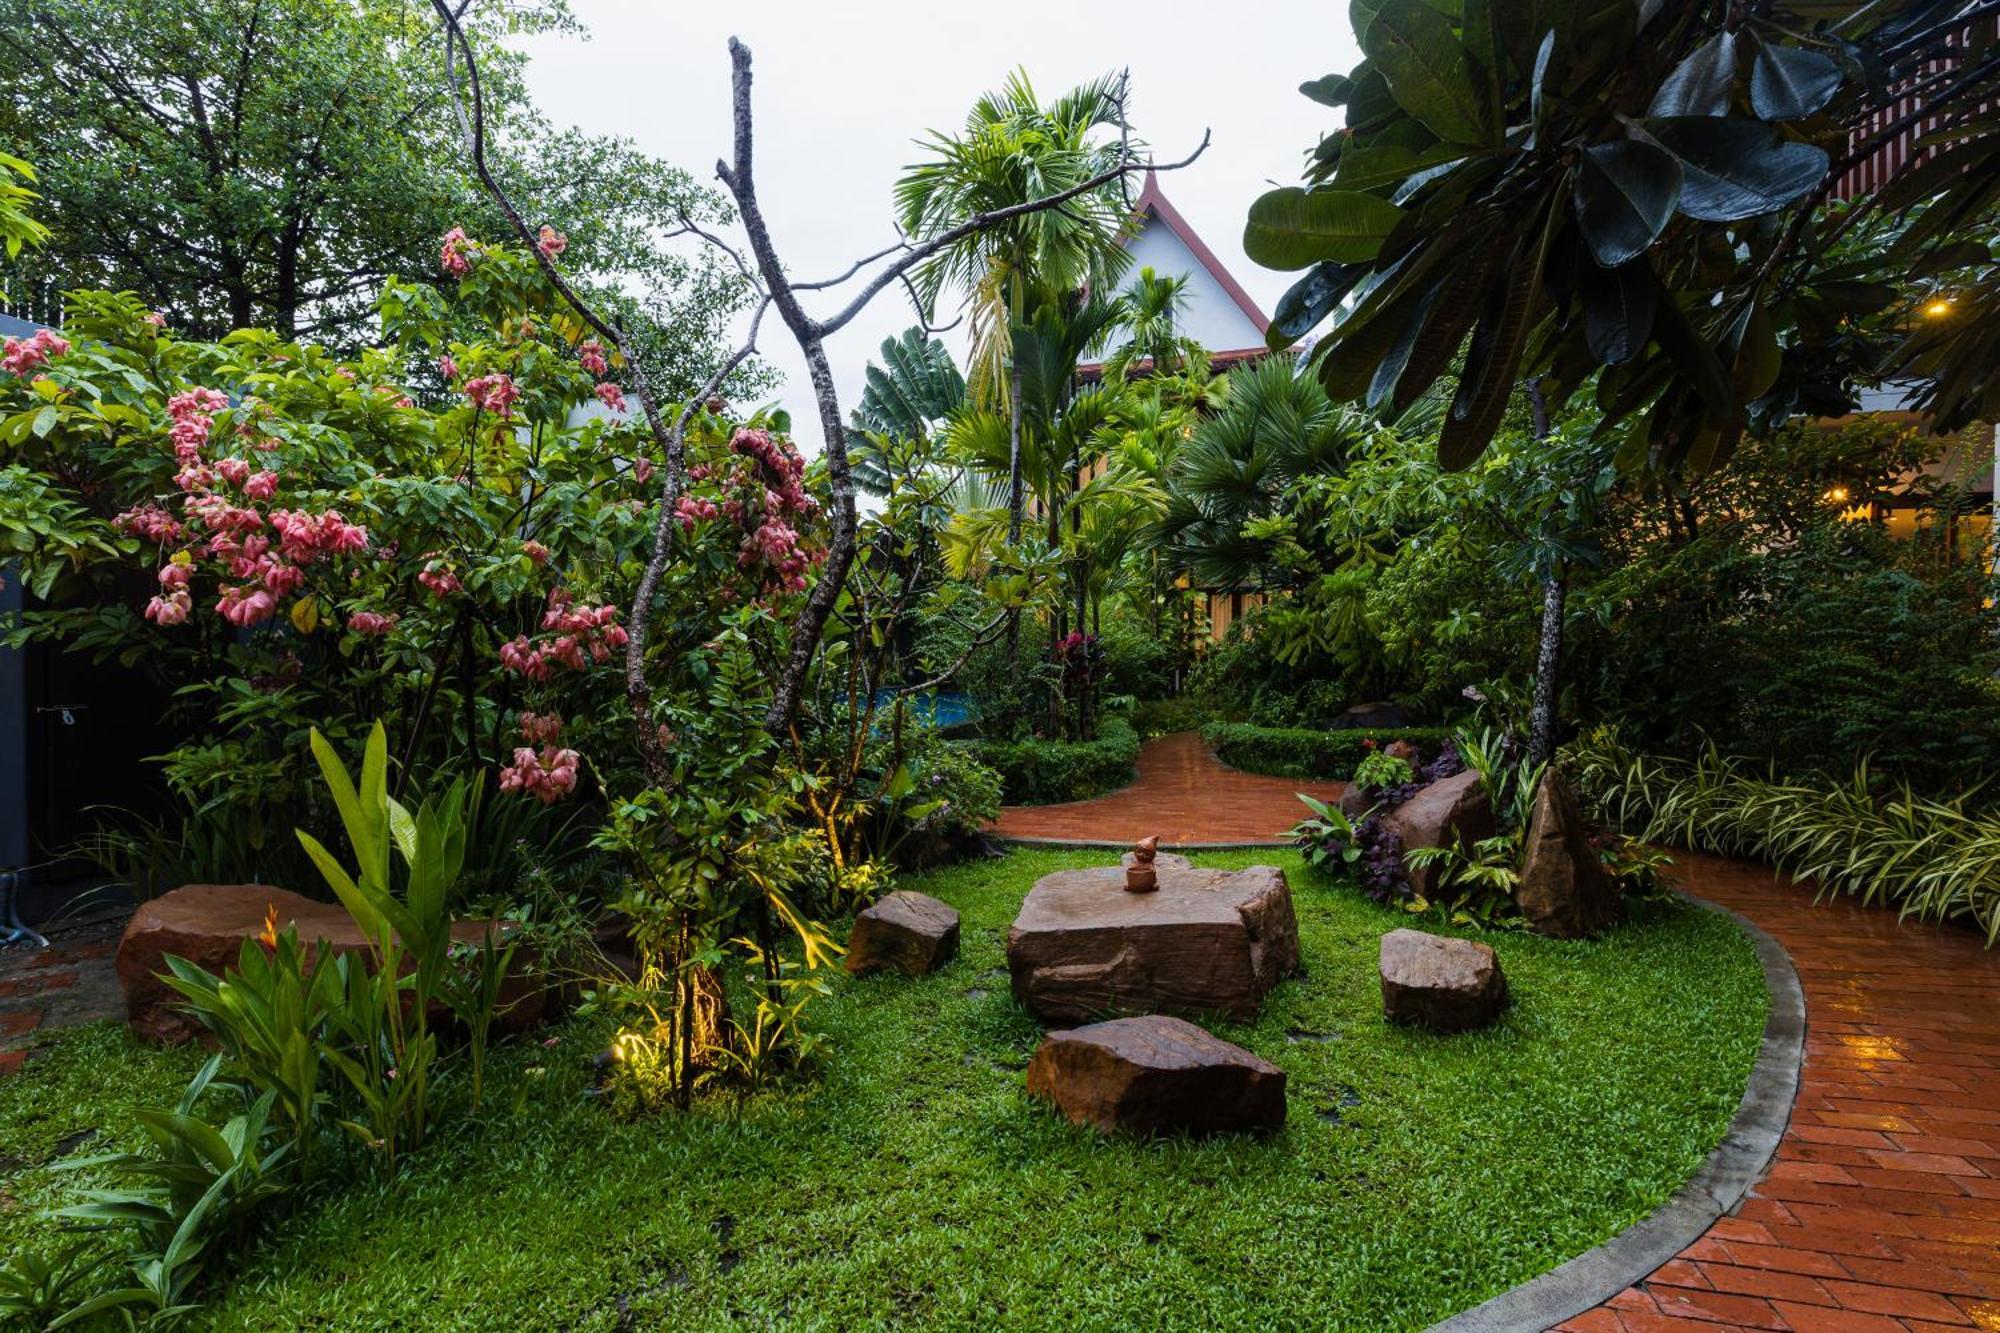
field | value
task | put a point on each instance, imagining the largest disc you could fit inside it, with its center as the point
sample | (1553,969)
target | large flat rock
(207,925)
(1156,1075)
(1207,941)
(1451,809)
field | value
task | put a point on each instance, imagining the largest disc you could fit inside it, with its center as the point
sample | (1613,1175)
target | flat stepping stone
(1205,941)
(1156,1075)
(1446,985)
(908,932)
(207,924)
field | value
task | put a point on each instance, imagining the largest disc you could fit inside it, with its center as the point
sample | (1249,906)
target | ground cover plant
(1416,1176)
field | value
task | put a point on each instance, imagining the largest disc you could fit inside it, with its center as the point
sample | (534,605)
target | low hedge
(1038,772)
(1292,752)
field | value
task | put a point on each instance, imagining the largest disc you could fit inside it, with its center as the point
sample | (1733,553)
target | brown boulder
(1356,801)
(1156,1075)
(1447,985)
(207,925)
(1402,750)
(1204,941)
(1564,891)
(1451,808)
(913,933)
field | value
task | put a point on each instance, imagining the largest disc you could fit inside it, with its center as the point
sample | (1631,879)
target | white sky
(843,89)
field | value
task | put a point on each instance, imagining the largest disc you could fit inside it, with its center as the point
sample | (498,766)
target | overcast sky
(843,89)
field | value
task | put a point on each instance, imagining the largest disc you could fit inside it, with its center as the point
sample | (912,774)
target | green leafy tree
(1626,194)
(273,163)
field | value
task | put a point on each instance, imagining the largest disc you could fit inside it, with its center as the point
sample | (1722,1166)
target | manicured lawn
(915,1184)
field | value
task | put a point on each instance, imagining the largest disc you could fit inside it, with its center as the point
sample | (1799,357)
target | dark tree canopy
(1630,192)
(271,162)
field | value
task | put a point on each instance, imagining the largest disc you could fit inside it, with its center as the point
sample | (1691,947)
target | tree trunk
(1548,665)
(1016,501)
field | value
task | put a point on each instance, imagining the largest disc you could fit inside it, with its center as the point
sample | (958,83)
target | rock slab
(1156,1075)
(1564,891)
(207,925)
(908,932)
(1451,808)
(1206,941)
(1446,985)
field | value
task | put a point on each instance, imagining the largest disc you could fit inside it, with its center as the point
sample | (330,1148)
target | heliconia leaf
(1734,168)
(1790,82)
(1618,308)
(1294,228)
(1428,71)
(1329,89)
(1702,83)
(1626,192)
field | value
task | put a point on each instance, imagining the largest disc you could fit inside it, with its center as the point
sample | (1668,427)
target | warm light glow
(1939,308)
(1836,495)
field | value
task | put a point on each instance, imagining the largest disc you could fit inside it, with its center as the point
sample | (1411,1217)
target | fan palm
(1275,428)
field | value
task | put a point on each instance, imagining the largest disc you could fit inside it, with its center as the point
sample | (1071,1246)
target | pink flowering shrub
(322,544)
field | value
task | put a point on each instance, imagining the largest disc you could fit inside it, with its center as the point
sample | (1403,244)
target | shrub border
(1737,1163)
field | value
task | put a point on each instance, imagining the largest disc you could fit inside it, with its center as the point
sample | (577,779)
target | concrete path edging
(1736,1164)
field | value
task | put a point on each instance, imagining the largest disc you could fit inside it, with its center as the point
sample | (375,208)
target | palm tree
(1153,309)
(1275,427)
(1013,149)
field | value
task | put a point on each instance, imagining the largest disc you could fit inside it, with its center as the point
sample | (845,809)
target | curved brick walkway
(1184,794)
(1881,1211)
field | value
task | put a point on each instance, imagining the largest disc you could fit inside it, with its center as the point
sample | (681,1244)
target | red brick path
(1881,1213)
(73,981)
(1184,794)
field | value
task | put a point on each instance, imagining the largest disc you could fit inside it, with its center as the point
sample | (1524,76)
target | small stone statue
(1140,877)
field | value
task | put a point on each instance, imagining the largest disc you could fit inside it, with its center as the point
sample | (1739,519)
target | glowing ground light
(1938,309)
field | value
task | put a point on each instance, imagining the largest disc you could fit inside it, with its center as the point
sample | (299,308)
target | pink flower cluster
(691,509)
(439,578)
(193,413)
(541,728)
(21,355)
(591,354)
(151,522)
(171,607)
(455,255)
(768,491)
(611,396)
(547,776)
(371,623)
(494,393)
(306,537)
(582,635)
(550,241)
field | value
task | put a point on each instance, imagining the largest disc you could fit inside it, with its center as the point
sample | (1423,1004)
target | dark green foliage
(1288,752)
(1138,662)
(1516,152)
(1844,645)
(1039,772)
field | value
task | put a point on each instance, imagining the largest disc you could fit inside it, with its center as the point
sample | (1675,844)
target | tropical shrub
(1289,752)
(1932,859)
(1038,772)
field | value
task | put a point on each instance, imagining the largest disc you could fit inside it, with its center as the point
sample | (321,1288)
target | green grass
(914,1184)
